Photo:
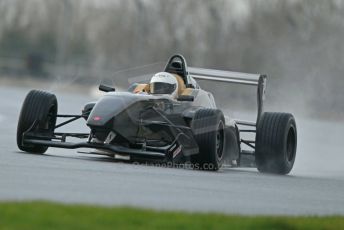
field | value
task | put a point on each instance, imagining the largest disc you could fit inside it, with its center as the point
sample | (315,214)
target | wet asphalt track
(315,186)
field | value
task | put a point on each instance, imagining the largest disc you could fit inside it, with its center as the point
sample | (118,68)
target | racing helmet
(164,83)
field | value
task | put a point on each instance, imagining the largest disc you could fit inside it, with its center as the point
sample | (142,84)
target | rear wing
(256,80)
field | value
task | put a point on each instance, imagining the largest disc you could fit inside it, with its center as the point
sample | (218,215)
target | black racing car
(189,128)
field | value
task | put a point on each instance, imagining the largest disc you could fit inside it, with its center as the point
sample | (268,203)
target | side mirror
(186,98)
(106,88)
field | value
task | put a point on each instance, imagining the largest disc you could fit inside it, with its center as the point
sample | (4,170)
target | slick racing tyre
(41,108)
(276,143)
(208,126)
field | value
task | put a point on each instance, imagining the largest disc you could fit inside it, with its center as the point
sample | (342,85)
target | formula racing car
(169,119)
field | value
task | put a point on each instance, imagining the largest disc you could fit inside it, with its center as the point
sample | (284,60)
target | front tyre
(39,107)
(208,126)
(276,143)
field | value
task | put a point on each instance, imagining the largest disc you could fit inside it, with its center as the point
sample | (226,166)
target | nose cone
(110,106)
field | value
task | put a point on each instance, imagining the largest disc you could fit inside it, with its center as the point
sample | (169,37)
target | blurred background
(297,43)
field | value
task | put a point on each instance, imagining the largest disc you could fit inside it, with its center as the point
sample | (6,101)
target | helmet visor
(162,88)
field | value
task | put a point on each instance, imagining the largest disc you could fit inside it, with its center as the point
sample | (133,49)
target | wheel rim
(51,119)
(220,140)
(291,145)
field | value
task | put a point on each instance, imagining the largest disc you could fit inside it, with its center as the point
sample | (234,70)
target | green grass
(45,215)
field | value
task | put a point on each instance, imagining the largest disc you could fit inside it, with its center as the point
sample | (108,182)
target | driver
(164,83)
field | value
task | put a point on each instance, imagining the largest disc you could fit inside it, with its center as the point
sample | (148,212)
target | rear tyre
(208,126)
(276,143)
(38,106)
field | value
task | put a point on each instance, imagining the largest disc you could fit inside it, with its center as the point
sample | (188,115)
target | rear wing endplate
(257,80)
